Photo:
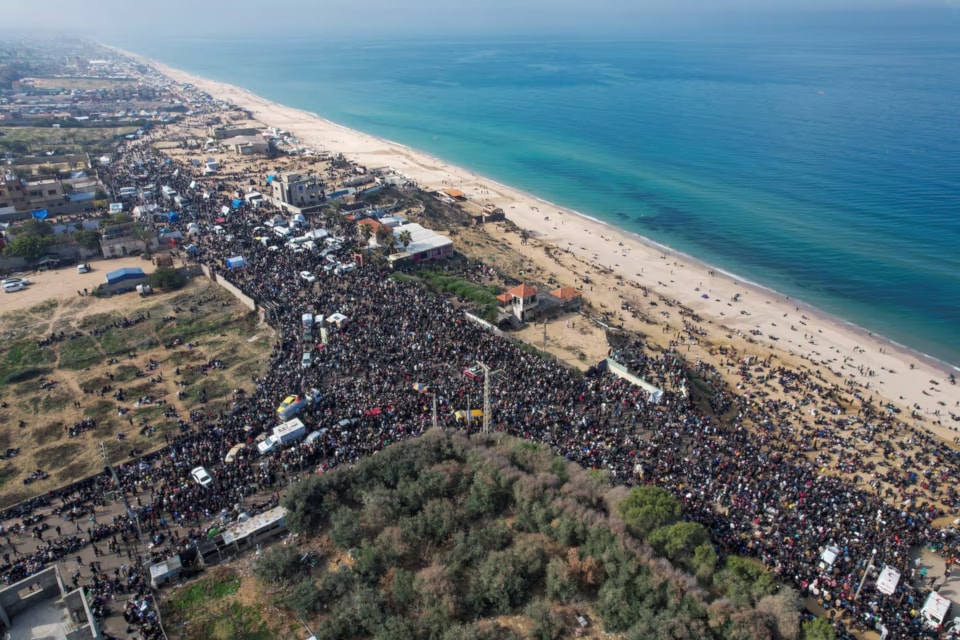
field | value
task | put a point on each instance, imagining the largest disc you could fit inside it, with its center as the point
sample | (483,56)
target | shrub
(345,528)
(280,565)
(166,278)
(647,508)
(304,597)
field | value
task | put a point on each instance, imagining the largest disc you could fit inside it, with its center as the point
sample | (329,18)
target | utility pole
(434,397)
(487,373)
(866,572)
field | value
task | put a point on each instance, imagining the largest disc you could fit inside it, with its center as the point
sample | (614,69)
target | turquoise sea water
(824,165)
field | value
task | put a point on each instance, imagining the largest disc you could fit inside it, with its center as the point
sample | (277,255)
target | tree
(28,246)
(166,278)
(647,508)
(280,566)
(87,238)
(383,233)
(345,527)
(679,541)
(34,227)
(745,580)
(366,232)
(304,597)
(405,238)
(818,629)
(784,609)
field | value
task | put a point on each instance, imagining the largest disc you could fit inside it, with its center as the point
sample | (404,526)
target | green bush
(345,528)
(167,279)
(647,508)
(280,565)
(304,597)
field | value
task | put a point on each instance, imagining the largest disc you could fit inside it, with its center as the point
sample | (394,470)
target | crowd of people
(753,468)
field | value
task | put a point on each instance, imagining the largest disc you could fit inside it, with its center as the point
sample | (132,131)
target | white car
(309,277)
(202,477)
(83,268)
(23,281)
(306,360)
(10,287)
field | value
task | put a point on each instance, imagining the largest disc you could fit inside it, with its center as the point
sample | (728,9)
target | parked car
(234,451)
(83,267)
(309,277)
(306,360)
(23,281)
(201,476)
(10,287)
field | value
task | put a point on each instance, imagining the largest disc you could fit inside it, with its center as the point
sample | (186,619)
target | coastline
(611,257)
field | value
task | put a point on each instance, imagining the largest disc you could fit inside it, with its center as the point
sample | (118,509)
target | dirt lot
(66,283)
(51,381)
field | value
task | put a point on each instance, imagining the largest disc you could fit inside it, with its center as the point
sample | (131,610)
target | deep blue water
(825,165)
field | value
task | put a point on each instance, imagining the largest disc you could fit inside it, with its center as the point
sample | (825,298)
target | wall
(246,300)
(619,370)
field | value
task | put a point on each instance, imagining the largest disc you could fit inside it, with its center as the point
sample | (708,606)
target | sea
(819,161)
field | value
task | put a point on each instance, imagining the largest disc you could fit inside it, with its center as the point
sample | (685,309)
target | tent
(225,210)
(39,214)
(236,262)
(172,216)
(270,179)
(237,204)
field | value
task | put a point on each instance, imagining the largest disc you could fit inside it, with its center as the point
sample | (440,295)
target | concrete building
(225,133)
(299,191)
(119,240)
(27,195)
(524,302)
(247,145)
(568,297)
(42,607)
(425,244)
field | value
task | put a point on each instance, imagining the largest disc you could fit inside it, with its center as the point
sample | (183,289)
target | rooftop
(522,291)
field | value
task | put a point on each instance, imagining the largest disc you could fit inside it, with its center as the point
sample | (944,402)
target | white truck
(289,431)
(935,610)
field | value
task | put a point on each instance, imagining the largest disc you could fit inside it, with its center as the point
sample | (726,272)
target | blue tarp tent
(237,203)
(270,179)
(236,262)
(125,274)
(172,216)
(39,214)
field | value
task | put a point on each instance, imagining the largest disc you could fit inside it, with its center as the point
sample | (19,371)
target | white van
(307,320)
(935,610)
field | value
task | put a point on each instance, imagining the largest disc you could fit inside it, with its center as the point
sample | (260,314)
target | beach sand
(720,309)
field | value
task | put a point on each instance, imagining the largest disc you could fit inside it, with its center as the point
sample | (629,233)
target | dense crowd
(751,469)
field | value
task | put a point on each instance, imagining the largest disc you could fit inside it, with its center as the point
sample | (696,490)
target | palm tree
(366,232)
(405,239)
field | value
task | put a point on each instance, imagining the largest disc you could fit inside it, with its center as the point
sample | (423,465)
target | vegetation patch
(80,352)
(57,456)
(450,536)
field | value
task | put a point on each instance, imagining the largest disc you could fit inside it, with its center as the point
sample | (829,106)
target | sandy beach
(695,305)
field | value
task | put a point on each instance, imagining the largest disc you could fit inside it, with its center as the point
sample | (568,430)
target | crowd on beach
(777,469)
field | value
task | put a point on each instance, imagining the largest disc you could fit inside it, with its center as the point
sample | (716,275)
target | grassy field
(41,385)
(33,140)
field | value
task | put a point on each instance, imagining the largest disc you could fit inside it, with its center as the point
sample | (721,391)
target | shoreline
(833,343)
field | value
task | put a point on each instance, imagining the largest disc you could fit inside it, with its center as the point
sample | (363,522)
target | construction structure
(42,606)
